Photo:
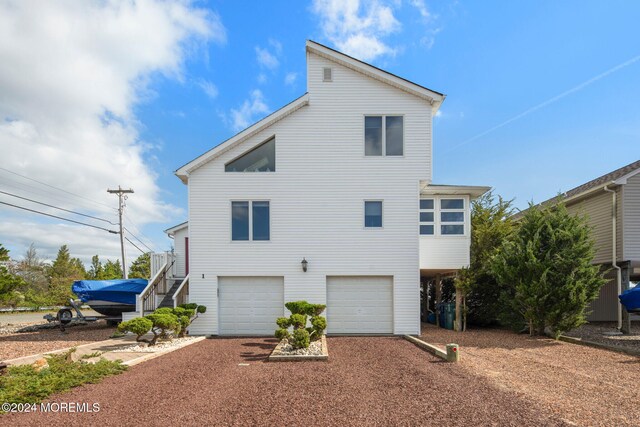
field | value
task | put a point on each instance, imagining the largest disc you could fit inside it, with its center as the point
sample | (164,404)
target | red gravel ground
(583,385)
(25,344)
(368,381)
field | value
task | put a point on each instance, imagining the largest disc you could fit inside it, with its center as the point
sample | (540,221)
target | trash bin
(448,313)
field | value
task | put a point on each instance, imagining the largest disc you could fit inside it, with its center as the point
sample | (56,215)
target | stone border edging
(275,357)
(452,354)
(149,356)
(580,341)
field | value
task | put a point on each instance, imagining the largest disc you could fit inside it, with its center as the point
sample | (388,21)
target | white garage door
(360,305)
(250,305)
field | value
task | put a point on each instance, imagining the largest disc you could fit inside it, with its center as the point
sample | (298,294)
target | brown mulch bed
(594,332)
(13,345)
(586,386)
(368,381)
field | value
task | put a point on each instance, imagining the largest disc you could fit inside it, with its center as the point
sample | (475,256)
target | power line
(56,188)
(56,207)
(135,237)
(134,245)
(137,229)
(59,217)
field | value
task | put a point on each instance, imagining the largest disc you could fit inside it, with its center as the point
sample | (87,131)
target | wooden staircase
(167,301)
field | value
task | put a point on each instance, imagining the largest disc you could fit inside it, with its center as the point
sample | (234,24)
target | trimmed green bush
(297,307)
(164,326)
(319,324)
(201,309)
(138,326)
(298,321)
(282,333)
(190,306)
(164,310)
(300,338)
(283,322)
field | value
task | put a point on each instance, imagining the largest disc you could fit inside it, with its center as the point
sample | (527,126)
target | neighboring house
(612,206)
(328,199)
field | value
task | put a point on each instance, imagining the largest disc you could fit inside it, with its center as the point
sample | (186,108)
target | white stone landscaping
(160,346)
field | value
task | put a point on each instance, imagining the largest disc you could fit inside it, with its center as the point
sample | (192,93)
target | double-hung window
(250,220)
(427,217)
(373,214)
(383,135)
(452,216)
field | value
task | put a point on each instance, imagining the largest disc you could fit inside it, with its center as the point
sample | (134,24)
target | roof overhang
(473,191)
(431,96)
(171,231)
(184,171)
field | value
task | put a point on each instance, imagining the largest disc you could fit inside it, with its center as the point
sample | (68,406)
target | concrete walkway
(106,348)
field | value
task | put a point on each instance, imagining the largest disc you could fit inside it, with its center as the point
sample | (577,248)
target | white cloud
(262,78)
(356,28)
(266,59)
(210,89)
(422,8)
(70,77)
(250,110)
(290,78)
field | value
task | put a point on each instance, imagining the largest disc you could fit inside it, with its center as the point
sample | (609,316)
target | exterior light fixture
(304,264)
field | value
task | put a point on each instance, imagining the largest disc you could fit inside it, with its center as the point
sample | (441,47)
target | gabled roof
(617,177)
(433,97)
(178,227)
(183,171)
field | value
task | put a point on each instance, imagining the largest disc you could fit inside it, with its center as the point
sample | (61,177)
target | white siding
(631,209)
(317,196)
(444,252)
(180,251)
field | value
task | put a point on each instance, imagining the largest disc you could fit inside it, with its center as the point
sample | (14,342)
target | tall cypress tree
(546,271)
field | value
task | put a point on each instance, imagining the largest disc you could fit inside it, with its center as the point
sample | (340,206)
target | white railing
(161,259)
(182,293)
(146,300)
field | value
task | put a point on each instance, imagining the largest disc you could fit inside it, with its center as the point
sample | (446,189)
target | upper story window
(427,217)
(442,216)
(260,159)
(384,135)
(452,216)
(250,220)
(373,214)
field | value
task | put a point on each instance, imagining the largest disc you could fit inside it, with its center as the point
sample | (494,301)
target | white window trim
(384,135)
(250,240)
(364,213)
(437,232)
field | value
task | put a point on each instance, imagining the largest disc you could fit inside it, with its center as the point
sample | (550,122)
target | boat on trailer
(110,297)
(630,299)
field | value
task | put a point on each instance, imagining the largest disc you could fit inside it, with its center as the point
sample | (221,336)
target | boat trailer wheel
(64,316)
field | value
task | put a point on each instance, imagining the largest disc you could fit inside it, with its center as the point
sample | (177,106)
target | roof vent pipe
(614,251)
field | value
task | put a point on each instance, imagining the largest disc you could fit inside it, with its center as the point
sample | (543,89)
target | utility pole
(121,198)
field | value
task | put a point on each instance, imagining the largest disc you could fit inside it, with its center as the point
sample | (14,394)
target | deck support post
(438,285)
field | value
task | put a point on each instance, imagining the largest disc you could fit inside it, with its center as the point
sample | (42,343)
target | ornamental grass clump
(302,313)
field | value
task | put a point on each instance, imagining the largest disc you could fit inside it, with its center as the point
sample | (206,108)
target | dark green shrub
(179,311)
(190,306)
(316,309)
(282,333)
(297,307)
(319,324)
(300,338)
(201,309)
(138,326)
(283,322)
(185,321)
(298,321)
(164,325)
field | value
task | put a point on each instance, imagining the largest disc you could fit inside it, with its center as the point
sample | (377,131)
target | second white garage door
(250,305)
(360,304)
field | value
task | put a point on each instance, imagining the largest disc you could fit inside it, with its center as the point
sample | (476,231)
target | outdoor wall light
(304,264)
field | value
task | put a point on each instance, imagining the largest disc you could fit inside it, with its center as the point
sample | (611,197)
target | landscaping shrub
(164,323)
(24,384)
(164,310)
(546,271)
(300,338)
(138,326)
(302,313)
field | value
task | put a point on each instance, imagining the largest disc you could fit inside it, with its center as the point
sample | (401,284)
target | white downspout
(614,252)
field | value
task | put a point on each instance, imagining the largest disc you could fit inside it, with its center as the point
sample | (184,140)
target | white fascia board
(184,171)
(474,191)
(434,98)
(623,180)
(175,228)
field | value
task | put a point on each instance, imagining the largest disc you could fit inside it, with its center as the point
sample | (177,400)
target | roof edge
(177,227)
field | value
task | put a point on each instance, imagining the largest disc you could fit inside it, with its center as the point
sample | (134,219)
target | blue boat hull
(109,297)
(630,299)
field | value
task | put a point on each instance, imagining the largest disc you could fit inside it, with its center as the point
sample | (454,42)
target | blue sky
(225,64)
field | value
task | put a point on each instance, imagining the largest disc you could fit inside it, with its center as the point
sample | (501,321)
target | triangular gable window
(260,159)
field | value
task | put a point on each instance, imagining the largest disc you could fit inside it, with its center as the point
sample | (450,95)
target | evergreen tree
(33,271)
(141,267)
(96,271)
(112,270)
(9,282)
(546,271)
(491,226)
(64,271)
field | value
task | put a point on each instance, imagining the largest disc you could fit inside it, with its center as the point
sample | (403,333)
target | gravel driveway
(368,381)
(584,385)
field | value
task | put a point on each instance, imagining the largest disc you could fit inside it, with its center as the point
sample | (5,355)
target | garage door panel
(360,304)
(250,305)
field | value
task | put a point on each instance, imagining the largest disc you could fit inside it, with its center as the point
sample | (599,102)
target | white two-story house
(329,200)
